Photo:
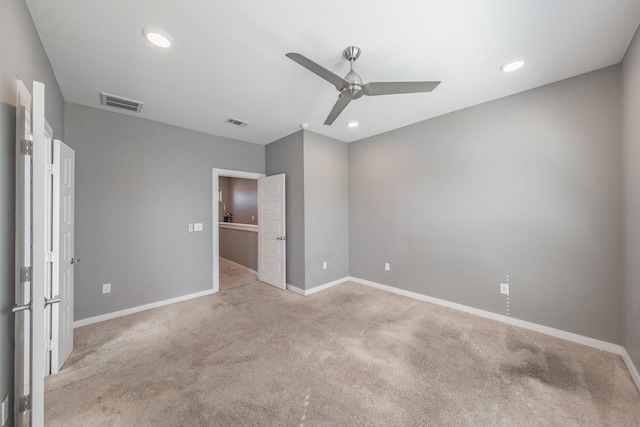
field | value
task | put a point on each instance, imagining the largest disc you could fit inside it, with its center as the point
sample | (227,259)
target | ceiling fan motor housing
(354,90)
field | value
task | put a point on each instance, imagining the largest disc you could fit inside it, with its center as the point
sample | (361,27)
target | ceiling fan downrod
(354,89)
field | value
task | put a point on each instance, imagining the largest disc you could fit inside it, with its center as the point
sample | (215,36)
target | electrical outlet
(106,288)
(5,409)
(324,265)
(387,266)
(190,228)
(504,288)
(197,226)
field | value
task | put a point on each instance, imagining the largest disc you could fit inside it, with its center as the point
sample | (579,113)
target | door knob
(75,260)
(49,301)
(19,308)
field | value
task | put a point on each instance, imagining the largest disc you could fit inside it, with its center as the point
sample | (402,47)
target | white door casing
(63,243)
(272,231)
(48,285)
(22,358)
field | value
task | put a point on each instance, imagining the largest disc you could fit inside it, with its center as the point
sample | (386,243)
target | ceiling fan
(351,87)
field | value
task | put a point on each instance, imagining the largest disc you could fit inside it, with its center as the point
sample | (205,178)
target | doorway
(238,231)
(227,268)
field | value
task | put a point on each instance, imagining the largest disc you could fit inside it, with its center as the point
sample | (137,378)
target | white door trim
(217,173)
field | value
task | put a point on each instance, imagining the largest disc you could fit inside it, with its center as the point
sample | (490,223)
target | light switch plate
(197,226)
(190,228)
(106,288)
(387,266)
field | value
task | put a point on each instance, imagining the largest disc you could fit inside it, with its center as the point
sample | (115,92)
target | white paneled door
(44,255)
(22,309)
(271,232)
(63,244)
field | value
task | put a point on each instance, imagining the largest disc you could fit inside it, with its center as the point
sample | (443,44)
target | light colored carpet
(233,276)
(347,356)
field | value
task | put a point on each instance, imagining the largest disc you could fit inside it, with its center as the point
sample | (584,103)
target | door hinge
(49,345)
(26,145)
(51,257)
(53,169)
(24,403)
(25,274)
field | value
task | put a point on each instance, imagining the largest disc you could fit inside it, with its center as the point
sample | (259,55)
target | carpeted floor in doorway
(347,356)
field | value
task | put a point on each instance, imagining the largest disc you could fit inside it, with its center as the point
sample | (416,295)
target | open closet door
(31,256)
(272,252)
(22,356)
(63,243)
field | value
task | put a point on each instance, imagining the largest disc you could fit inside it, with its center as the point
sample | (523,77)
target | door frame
(215,235)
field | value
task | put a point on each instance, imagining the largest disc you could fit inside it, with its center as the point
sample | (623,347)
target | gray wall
(22,57)
(286,156)
(244,200)
(631,138)
(138,184)
(241,197)
(239,246)
(326,209)
(529,185)
(225,187)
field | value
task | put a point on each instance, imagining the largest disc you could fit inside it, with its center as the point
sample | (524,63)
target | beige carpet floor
(233,276)
(347,356)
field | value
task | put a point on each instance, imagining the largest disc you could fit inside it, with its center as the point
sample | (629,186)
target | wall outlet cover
(5,409)
(106,288)
(197,226)
(324,265)
(504,288)
(190,228)
(387,266)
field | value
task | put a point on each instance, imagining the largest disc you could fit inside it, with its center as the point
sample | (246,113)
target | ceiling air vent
(237,122)
(120,102)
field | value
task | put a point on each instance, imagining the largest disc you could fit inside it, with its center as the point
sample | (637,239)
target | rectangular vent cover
(237,122)
(120,102)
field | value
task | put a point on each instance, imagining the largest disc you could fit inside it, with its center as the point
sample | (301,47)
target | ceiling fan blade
(389,88)
(340,105)
(332,78)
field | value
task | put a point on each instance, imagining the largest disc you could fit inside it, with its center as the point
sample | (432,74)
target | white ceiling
(228,58)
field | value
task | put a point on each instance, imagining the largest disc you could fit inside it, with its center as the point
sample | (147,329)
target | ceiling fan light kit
(351,86)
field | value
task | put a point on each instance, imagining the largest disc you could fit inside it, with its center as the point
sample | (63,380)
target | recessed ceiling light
(157,36)
(353,124)
(512,65)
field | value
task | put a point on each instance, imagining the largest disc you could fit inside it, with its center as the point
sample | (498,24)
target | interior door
(41,261)
(271,231)
(22,371)
(32,258)
(63,242)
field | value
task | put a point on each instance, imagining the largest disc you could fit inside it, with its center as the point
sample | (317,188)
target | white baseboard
(318,288)
(633,371)
(115,314)
(247,269)
(325,286)
(295,289)
(569,336)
